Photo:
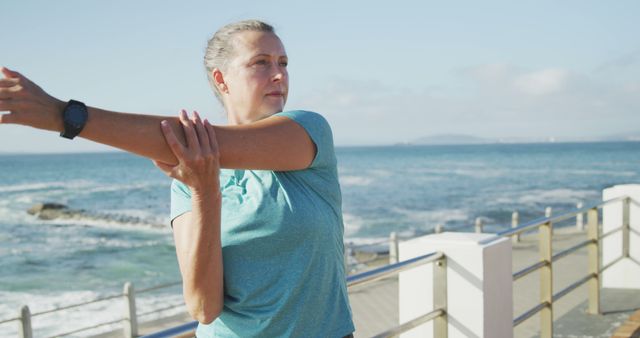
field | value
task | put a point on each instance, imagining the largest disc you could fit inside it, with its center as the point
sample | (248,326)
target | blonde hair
(220,47)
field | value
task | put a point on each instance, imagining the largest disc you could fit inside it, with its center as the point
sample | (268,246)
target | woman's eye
(284,64)
(261,62)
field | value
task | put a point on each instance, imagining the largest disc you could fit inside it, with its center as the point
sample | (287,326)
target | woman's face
(256,77)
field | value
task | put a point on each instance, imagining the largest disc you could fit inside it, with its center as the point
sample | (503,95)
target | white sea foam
(432,217)
(352,224)
(346,180)
(363,179)
(479,172)
(111,224)
(74,244)
(592,172)
(45,186)
(142,214)
(117,187)
(551,196)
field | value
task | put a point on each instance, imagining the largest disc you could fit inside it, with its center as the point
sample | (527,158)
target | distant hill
(620,137)
(451,139)
(457,139)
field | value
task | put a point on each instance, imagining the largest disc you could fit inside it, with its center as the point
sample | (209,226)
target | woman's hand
(199,162)
(27,103)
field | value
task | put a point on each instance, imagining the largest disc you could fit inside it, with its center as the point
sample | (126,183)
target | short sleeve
(319,130)
(180,199)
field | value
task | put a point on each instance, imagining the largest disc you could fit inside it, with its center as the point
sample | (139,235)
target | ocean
(123,233)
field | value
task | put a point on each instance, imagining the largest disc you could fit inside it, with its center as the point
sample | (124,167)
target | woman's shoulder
(313,122)
(300,114)
(319,130)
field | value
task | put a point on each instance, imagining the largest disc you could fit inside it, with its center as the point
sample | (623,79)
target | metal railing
(129,319)
(544,265)
(544,226)
(547,258)
(438,315)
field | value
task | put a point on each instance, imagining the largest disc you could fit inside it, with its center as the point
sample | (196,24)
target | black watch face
(75,115)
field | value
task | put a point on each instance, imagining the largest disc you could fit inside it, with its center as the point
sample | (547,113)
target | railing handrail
(370,276)
(360,279)
(96,300)
(513,231)
(395,268)
(553,219)
(172,331)
(595,237)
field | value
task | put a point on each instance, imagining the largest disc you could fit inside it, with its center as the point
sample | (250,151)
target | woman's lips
(276,94)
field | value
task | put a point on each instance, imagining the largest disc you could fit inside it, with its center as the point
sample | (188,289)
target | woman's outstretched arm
(274,143)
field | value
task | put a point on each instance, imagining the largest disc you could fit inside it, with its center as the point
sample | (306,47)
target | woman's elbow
(205,313)
(207,318)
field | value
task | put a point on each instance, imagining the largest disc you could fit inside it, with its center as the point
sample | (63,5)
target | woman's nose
(277,77)
(279,74)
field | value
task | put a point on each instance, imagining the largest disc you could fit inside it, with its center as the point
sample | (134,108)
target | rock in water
(49,211)
(40,207)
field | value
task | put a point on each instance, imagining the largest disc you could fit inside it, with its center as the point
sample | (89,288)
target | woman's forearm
(200,259)
(136,133)
(272,144)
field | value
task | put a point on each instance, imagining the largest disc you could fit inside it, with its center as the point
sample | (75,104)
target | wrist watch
(74,117)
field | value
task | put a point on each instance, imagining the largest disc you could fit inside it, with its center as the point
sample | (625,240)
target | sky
(380,72)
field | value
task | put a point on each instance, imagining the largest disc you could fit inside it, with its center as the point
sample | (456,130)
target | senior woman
(260,241)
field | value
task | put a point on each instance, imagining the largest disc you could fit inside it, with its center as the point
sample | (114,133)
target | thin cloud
(546,81)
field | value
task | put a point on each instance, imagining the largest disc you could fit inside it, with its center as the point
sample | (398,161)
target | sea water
(406,189)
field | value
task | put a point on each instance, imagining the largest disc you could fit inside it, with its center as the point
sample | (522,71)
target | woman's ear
(218,79)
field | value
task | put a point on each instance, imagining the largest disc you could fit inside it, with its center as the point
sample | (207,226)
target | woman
(260,242)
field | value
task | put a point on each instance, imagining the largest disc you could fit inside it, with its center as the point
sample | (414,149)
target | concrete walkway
(375,307)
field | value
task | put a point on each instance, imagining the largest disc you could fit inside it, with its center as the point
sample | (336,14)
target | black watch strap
(74,117)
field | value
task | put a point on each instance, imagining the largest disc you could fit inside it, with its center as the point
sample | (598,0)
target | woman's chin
(274,108)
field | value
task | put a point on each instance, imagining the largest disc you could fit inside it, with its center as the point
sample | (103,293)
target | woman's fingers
(203,137)
(6,118)
(8,82)
(189,130)
(172,140)
(9,105)
(9,73)
(166,168)
(5,93)
(213,141)
(10,92)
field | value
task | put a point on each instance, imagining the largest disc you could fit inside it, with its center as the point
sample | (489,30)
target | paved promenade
(375,307)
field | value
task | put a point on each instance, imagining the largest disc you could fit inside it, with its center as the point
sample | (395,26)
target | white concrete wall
(626,273)
(479,285)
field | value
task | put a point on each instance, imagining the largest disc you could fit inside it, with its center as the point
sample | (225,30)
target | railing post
(579,217)
(393,248)
(547,213)
(440,324)
(439,228)
(594,261)
(546,280)
(479,225)
(625,227)
(515,219)
(25,330)
(130,316)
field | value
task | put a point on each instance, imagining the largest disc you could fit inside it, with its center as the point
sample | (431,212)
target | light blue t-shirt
(282,247)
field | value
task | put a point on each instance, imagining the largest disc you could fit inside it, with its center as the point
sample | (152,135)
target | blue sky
(381,73)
